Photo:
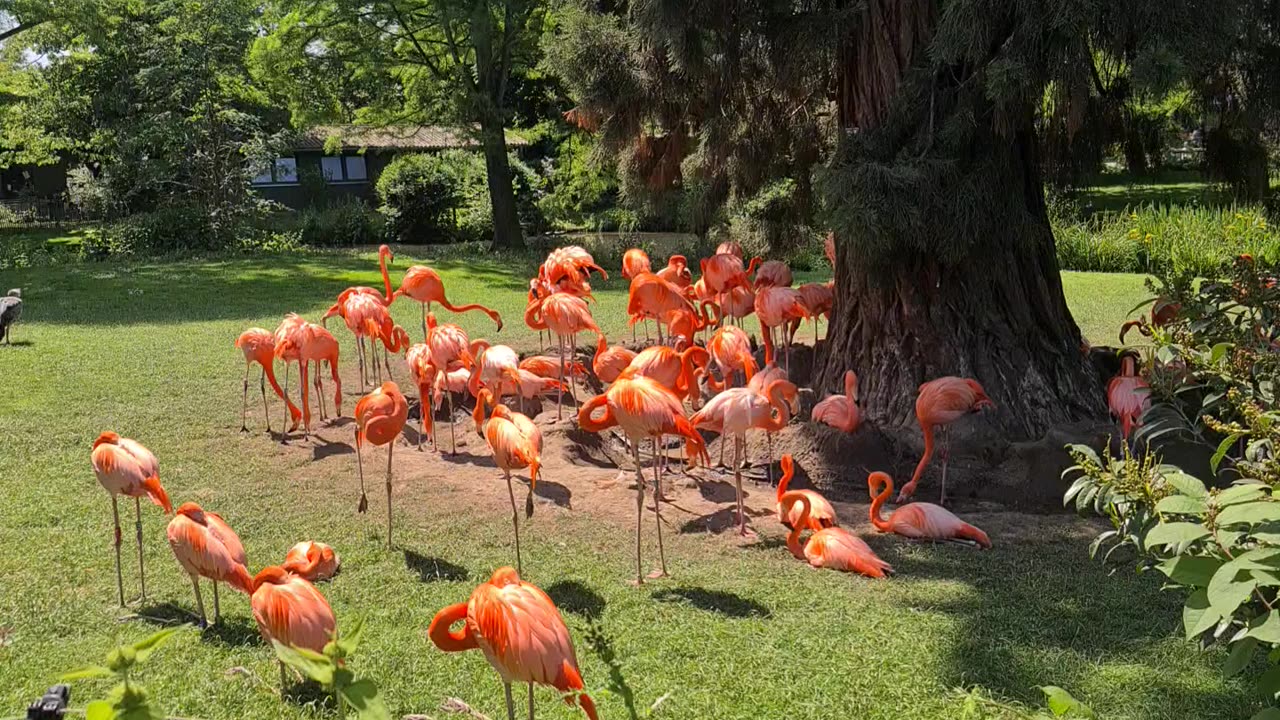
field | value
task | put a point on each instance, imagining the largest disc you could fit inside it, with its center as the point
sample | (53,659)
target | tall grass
(1158,238)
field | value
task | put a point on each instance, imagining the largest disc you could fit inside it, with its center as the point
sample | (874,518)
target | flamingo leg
(560,389)
(573,354)
(266,412)
(217,612)
(320,390)
(360,359)
(657,513)
(424,321)
(738,446)
(768,438)
(364,499)
(453,434)
(515,520)
(635,455)
(244,406)
(390,446)
(142,573)
(530,701)
(946,455)
(423,412)
(195,584)
(284,433)
(115,515)
(511,704)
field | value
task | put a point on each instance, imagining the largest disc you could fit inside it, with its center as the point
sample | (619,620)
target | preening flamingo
(731,351)
(423,372)
(942,402)
(724,270)
(207,547)
(643,409)
(919,521)
(1128,395)
(291,611)
(609,361)
(760,383)
(777,307)
(840,411)
(834,548)
(672,370)
(520,631)
(572,263)
(423,284)
(288,329)
(730,247)
(773,273)
(634,262)
(449,344)
(821,514)
(735,411)
(677,272)
(684,324)
(819,299)
(516,444)
(566,316)
(737,303)
(549,367)
(363,315)
(494,364)
(380,417)
(125,467)
(312,561)
(652,297)
(259,346)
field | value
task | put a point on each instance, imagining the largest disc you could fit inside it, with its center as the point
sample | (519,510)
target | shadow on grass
(721,520)
(716,601)
(233,631)
(431,569)
(574,597)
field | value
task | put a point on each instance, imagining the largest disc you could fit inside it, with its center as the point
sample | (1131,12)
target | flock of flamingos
(513,622)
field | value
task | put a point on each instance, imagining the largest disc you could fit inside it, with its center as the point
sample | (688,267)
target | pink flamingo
(731,351)
(821,514)
(942,402)
(819,298)
(634,262)
(288,330)
(566,316)
(841,411)
(206,546)
(124,467)
(312,561)
(609,361)
(1128,395)
(919,521)
(834,548)
(424,373)
(259,346)
(776,307)
(380,416)
(423,284)
(760,383)
(449,344)
(773,273)
(516,444)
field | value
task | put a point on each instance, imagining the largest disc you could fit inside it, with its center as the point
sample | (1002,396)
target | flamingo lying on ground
(942,402)
(1128,395)
(312,561)
(609,361)
(516,444)
(290,610)
(522,635)
(125,467)
(834,548)
(840,411)
(549,367)
(920,521)
(821,514)
(259,346)
(380,417)
(206,546)
(423,284)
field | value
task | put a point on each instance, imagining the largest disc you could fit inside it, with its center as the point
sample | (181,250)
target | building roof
(398,137)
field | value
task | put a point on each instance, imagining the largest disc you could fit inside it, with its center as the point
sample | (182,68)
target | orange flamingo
(652,297)
(684,324)
(819,299)
(522,635)
(125,467)
(731,351)
(730,247)
(942,402)
(919,521)
(773,273)
(288,329)
(834,548)
(549,367)
(290,610)
(449,344)
(736,410)
(724,270)
(777,307)
(840,411)
(423,284)
(423,372)
(313,561)
(821,514)
(737,303)
(672,370)
(643,409)
(380,417)
(206,546)
(566,316)
(634,262)
(516,444)
(363,315)
(571,263)
(677,272)
(1128,395)
(312,343)
(609,361)
(259,346)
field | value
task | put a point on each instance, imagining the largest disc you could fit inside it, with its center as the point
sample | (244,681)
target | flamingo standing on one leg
(259,346)
(942,402)
(516,444)
(566,316)
(125,467)
(1128,395)
(205,546)
(840,411)
(634,262)
(290,610)
(676,371)
(313,561)
(760,383)
(380,417)
(522,635)
(919,521)
(834,548)
(423,284)
(821,514)
(643,408)
(819,299)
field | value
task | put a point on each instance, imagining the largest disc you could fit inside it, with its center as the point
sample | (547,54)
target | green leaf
(1221,452)
(1239,493)
(1181,505)
(1062,704)
(1250,513)
(1265,628)
(349,639)
(1269,683)
(1227,591)
(308,662)
(147,645)
(1190,570)
(1219,351)
(1240,655)
(93,671)
(1198,615)
(1173,533)
(363,697)
(1185,484)
(99,710)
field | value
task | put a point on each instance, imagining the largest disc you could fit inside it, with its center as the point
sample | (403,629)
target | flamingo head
(109,437)
(271,575)
(504,576)
(980,399)
(431,321)
(877,481)
(191,510)
(385,251)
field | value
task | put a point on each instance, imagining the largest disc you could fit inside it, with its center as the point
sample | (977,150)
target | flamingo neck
(928,453)
(793,538)
(589,423)
(851,386)
(787,473)
(778,404)
(533,316)
(877,502)
(444,637)
(386,279)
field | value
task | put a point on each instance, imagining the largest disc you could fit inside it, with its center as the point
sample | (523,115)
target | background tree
(452,60)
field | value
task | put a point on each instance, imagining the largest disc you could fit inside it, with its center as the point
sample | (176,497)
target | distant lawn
(1113,192)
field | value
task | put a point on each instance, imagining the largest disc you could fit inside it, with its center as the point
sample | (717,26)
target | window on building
(355,167)
(282,172)
(332,168)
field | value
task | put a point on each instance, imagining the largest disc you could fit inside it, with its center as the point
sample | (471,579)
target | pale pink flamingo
(1128,395)
(449,344)
(773,273)
(919,521)
(942,402)
(206,546)
(776,307)
(677,272)
(725,270)
(834,548)
(840,411)
(760,383)
(516,444)
(566,316)
(124,467)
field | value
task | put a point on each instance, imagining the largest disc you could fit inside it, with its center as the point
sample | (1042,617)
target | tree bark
(998,316)
(502,195)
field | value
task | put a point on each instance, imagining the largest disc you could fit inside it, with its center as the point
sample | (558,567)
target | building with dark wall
(347,160)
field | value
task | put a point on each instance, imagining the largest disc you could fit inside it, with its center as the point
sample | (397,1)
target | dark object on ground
(10,311)
(52,706)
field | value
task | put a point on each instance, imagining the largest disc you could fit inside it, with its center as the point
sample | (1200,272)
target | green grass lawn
(740,632)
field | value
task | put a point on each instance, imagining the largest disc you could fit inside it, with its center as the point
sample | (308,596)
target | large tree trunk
(502,196)
(998,316)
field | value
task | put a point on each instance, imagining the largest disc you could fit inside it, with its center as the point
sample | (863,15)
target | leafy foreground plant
(328,668)
(1058,704)
(127,700)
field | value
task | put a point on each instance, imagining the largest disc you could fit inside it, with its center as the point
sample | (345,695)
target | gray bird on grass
(10,311)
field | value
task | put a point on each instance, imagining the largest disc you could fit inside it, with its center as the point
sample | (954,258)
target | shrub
(88,193)
(168,229)
(344,222)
